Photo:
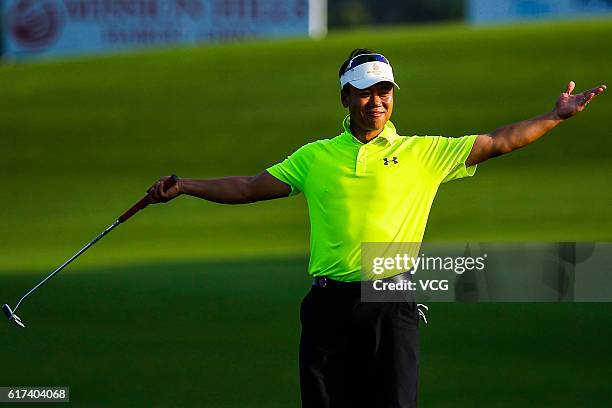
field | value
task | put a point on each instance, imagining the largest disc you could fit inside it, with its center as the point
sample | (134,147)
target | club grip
(7,311)
(144,201)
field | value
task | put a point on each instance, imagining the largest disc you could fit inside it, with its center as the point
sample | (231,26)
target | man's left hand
(568,105)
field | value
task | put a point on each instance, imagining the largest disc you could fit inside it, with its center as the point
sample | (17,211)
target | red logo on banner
(34,24)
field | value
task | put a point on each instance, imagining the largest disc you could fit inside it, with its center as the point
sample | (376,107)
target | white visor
(367,74)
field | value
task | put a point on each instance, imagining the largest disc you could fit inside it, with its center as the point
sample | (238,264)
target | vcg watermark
(486,272)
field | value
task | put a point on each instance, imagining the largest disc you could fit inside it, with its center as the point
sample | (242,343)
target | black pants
(355,354)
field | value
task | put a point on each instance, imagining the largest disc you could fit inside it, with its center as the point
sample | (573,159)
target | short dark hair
(353,54)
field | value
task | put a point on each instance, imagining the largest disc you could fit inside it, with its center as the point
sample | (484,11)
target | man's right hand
(158,195)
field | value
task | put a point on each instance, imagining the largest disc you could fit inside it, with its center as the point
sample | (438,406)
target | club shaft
(72,258)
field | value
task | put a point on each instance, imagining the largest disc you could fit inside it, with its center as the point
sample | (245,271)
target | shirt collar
(387,136)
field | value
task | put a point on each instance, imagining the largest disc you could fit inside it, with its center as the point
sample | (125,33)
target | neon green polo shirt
(380,191)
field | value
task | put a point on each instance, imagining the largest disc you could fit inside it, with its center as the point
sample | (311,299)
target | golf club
(10,313)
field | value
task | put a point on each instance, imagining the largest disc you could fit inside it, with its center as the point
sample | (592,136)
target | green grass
(180,334)
(196,304)
(82,139)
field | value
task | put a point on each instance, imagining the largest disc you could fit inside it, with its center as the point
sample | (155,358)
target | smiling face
(369,108)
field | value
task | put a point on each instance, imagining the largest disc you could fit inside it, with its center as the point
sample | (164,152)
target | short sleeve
(446,157)
(294,169)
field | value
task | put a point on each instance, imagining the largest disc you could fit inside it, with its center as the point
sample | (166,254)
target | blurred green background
(196,304)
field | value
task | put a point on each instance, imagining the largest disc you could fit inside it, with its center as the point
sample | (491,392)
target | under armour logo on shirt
(393,160)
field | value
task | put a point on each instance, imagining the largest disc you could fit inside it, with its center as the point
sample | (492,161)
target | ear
(344,98)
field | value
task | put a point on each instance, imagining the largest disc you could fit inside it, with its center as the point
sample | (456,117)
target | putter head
(12,316)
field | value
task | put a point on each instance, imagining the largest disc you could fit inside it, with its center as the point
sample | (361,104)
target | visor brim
(368,82)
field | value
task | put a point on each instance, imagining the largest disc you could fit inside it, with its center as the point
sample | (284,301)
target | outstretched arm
(511,137)
(227,190)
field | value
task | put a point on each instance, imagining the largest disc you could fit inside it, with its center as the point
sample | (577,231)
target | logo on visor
(375,69)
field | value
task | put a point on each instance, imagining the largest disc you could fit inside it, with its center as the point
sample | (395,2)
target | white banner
(60,27)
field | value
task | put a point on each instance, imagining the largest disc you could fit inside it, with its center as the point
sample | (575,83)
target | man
(366,185)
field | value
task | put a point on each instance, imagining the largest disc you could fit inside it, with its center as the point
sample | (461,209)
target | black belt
(325,282)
